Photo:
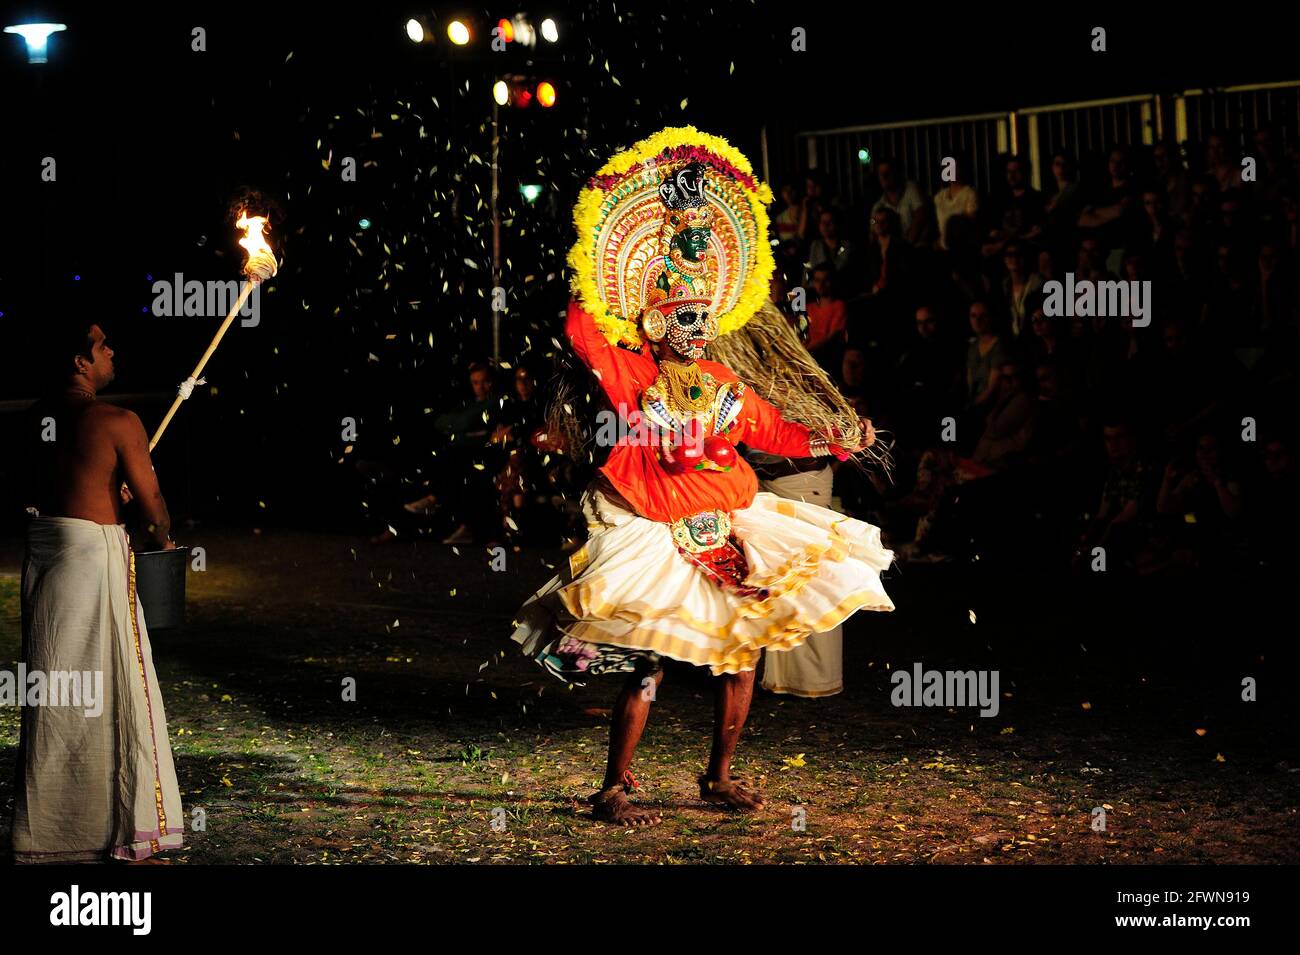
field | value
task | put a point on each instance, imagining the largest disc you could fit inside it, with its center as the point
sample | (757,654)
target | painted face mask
(688,332)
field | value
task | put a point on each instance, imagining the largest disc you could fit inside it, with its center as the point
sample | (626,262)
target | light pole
(37,36)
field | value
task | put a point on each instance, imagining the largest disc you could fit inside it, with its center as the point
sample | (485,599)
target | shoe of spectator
(461,535)
(425,505)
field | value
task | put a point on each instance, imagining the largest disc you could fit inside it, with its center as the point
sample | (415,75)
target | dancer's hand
(868,432)
(666,448)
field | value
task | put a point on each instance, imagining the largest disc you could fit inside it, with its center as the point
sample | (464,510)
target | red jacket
(633,467)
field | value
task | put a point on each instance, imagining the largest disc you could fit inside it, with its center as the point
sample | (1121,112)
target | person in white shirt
(905,198)
(956,198)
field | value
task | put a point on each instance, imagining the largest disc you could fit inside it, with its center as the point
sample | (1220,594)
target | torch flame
(261,264)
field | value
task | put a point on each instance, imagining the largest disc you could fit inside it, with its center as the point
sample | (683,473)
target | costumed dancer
(685,557)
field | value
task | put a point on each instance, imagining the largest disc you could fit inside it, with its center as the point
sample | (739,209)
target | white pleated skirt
(628,594)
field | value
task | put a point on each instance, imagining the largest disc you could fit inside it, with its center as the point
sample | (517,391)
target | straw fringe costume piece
(686,558)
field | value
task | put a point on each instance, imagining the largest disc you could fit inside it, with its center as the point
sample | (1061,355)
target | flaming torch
(259,267)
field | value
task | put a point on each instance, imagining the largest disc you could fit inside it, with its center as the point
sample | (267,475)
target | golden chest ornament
(697,418)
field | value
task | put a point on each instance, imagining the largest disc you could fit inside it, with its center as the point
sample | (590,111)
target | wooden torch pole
(212,347)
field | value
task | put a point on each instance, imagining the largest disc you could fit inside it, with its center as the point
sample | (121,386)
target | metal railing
(845,156)
(1087,128)
(1237,110)
(1081,130)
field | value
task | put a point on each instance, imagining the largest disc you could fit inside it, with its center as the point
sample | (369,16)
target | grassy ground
(458,750)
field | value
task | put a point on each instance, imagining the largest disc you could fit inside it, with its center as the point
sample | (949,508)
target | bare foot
(729,793)
(614,807)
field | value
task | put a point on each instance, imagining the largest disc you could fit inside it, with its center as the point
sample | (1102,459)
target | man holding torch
(91,785)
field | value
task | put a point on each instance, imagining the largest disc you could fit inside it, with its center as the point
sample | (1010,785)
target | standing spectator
(786,222)
(1018,289)
(853,372)
(1018,214)
(1203,205)
(1064,205)
(830,249)
(1171,180)
(1273,177)
(926,377)
(985,357)
(956,198)
(476,435)
(903,197)
(1007,427)
(889,278)
(1273,309)
(1225,170)
(811,207)
(1113,213)
(1125,505)
(827,319)
(1155,241)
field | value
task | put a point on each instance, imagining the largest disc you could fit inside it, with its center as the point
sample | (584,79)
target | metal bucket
(160,586)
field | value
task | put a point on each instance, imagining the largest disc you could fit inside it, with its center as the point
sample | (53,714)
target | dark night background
(154,140)
(1121,689)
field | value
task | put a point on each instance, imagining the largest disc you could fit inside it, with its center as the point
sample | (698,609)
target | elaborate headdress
(677,190)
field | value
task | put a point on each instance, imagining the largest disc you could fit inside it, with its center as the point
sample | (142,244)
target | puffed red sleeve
(764,428)
(614,368)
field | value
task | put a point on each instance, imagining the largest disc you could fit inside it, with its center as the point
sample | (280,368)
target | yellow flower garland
(586,218)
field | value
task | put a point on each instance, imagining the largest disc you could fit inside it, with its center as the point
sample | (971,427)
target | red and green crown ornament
(676,222)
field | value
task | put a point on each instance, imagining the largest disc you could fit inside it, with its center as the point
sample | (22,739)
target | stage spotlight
(530,192)
(501,92)
(36,36)
(864,155)
(545,94)
(506,30)
(415,30)
(550,33)
(363,223)
(457,32)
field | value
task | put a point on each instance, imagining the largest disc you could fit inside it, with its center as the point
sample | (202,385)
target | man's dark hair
(58,344)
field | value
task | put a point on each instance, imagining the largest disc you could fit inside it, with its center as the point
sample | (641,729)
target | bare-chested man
(86,450)
(94,781)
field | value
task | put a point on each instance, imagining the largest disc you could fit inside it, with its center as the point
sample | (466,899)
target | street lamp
(37,36)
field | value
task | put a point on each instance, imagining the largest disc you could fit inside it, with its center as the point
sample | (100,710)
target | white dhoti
(91,786)
(816,667)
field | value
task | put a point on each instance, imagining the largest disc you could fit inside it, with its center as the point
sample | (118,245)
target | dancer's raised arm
(612,366)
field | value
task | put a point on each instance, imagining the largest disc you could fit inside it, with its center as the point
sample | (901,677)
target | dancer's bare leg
(629,718)
(732,695)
